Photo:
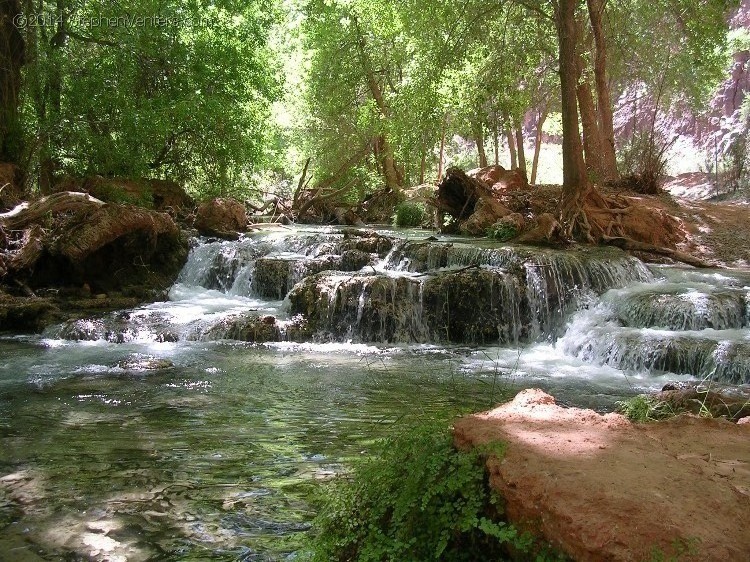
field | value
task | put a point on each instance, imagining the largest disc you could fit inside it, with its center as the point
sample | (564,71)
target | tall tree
(12,58)
(144,89)
(596,10)
(575,181)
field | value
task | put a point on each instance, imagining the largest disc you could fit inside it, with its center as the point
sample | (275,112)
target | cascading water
(687,322)
(369,287)
(192,428)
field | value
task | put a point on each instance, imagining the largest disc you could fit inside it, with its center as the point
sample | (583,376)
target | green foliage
(409,214)
(178,89)
(672,49)
(502,231)
(645,408)
(683,549)
(380,74)
(417,499)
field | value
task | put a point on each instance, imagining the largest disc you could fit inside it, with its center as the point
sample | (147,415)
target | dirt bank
(601,488)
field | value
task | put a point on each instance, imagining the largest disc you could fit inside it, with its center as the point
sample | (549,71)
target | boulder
(598,487)
(487,212)
(700,401)
(245,327)
(223,217)
(546,231)
(501,180)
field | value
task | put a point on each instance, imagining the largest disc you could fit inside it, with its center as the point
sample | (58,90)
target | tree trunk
(521,151)
(575,182)
(609,161)
(393,179)
(12,58)
(591,139)
(441,157)
(479,139)
(512,149)
(538,142)
(422,166)
(592,148)
(496,136)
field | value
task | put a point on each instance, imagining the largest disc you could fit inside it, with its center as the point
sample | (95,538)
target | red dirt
(601,488)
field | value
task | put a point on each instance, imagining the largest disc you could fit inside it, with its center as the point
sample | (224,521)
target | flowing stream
(197,428)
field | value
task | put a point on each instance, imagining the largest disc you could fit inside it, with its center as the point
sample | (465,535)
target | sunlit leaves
(176,88)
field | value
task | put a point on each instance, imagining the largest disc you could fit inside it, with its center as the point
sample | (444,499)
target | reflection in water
(213,457)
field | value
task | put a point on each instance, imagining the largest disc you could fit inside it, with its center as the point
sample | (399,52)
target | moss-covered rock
(245,327)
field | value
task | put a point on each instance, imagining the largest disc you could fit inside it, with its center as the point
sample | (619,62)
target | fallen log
(26,213)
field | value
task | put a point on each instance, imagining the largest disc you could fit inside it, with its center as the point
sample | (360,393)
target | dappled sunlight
(591,481)
(534,420)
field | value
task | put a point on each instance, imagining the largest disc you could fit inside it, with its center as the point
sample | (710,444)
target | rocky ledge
(599,487)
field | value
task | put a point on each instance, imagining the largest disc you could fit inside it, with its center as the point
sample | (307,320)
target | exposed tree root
(27,213)
(598,218)
(71,237)
(634,245)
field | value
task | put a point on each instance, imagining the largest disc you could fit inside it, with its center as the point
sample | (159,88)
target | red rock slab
(601,488)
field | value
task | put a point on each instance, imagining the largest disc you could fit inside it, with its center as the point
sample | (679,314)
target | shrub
(417,499)
(643,161)
(644,408)
(409,214)
(502,231)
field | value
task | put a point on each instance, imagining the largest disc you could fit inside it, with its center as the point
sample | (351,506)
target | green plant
(409,214)
(682,548)
(644,408)
(502,231)
(418,499)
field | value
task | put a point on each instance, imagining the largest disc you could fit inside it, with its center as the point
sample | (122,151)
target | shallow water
(217,457)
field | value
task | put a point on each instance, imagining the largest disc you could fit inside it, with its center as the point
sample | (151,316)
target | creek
(197,428)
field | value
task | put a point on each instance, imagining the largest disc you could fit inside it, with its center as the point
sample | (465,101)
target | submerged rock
(141,363)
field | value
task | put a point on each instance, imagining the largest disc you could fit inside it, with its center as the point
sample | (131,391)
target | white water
(607,318)
(212,458)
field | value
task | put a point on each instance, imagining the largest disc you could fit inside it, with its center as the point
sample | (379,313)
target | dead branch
(325,184)
(318,198)
(302,183)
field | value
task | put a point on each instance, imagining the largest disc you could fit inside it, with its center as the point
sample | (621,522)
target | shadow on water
(215,457)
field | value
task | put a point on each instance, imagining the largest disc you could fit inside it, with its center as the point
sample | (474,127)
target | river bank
(599,487)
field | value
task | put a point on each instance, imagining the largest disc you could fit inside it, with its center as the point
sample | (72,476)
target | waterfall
(680,325)
(428,291)
(595,304)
